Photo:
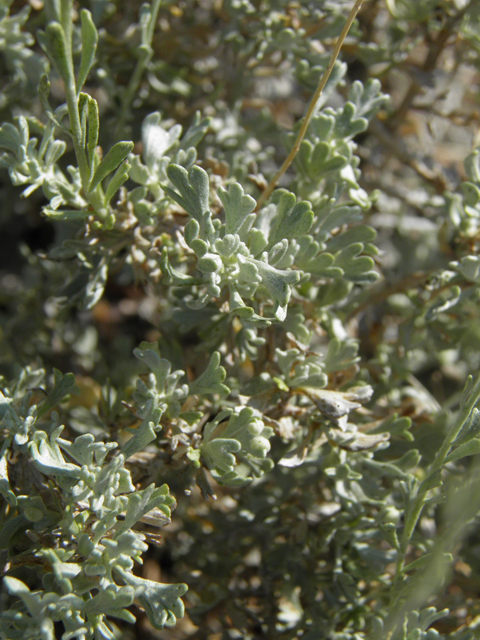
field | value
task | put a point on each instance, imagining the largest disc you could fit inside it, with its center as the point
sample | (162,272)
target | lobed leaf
(211,380)
(161,602)
(192,189)
(237,206)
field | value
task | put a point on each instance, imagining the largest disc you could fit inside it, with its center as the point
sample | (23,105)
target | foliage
(287,384)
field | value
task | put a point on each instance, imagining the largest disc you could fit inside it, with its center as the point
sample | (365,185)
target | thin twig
(311,109)
(430,62)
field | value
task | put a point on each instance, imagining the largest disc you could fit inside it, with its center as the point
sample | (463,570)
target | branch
(311,109)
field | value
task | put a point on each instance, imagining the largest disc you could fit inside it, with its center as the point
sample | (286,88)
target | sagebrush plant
(283,377)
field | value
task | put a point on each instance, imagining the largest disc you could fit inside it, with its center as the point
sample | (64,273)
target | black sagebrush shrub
(239,319)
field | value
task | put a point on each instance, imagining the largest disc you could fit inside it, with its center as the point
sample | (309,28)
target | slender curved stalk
(421,498)
(311,109)
(436,466)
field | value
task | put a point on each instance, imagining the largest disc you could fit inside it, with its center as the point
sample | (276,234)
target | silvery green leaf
(368,98)
(48,457)
(325,159)
(332,217)
(145,433)
(361,393)
(316,160)
(447,301)
(309,73)
(193,189)
(173,276)
(356,267)
(396,425)
(311,260)
(244,438)
(292,219)
(28,379)
(471,427)
(409,460)
(277,252)
(430,482)
(12,138)
(44,94)
(472,166)
(54,42)
(211,380)
(54,152)
(393,469)
(248,429)
(422,563)
(467,390)
(63,571)
(36,613)
(199,303)
(89,37)
(161,602)
(210,263)
(348,123)
(238,306)
(424,618)
(93,130)
(218,455)
(15,587)
(248,275)
(360,233)
(278,283)
(356,441)
(140,174)
(66,214)
(469,267)
(84,448)
(358,195)
(308,373)
(237,206)
(257,241)
(112,601)
(157,140)
(141,503)
(295,324)
(158,366)
(469,448)
(191,231)
(5,488)
(87,286)
(340,355)
(334,404)
(195,132)
(197,244)
(186,158)
(6,408)
(116,155)
(119,177)
(287,359)
(248,342)
(63,385)
(295,457)
(471,193)
(228,245)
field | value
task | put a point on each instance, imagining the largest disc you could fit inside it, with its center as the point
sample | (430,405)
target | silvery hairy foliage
(23,67)
(78,509)
(271,424)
